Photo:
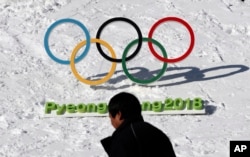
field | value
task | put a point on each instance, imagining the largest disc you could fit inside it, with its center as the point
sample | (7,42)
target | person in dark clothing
(133,136)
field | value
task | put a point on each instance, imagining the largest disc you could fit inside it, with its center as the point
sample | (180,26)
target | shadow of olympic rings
(194,74)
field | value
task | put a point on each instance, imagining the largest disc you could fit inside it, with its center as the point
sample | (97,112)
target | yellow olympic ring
(78,76)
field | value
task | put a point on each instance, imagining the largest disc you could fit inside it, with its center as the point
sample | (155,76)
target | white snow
(217,71)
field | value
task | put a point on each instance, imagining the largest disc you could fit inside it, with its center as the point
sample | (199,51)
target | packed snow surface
(217,70)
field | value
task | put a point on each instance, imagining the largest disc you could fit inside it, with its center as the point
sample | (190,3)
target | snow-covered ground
(217,71)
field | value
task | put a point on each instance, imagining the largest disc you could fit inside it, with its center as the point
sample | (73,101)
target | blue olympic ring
(46,40)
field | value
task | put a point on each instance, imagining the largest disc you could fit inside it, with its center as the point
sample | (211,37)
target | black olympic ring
(98,34)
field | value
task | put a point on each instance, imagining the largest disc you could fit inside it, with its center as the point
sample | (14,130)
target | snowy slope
(217,71)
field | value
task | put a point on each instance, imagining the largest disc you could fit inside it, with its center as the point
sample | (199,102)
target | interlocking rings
(113,58)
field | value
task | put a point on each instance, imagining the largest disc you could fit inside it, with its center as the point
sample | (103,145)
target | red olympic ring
(189,50)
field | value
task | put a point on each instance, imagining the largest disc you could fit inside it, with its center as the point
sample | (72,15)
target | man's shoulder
(147,129)
(145,125)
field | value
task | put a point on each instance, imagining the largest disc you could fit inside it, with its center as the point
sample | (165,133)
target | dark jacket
(136,138)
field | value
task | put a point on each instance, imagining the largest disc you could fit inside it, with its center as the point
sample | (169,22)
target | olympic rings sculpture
(113,58)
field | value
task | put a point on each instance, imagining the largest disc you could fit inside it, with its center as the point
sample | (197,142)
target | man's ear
(119,114)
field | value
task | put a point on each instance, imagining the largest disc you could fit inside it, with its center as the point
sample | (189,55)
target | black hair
(127,104)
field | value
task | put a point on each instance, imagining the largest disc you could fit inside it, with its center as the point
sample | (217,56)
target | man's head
(123,106)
